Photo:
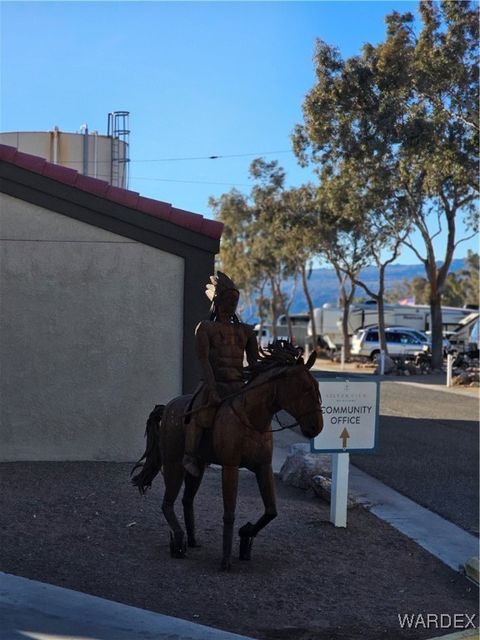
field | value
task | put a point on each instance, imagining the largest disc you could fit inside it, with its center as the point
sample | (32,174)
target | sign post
(339,497)
(350,423)
(449,369)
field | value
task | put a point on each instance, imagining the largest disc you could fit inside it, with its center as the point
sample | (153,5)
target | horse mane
(280,353)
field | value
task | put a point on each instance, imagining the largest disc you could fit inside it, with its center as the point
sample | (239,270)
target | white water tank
(88,153)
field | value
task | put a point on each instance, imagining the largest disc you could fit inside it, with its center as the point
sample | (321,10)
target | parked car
(446,345)
(426,336)
(401,341)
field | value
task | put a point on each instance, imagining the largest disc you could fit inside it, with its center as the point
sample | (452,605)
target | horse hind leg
(247,533)
(230,489)
(192,484)
(173,475)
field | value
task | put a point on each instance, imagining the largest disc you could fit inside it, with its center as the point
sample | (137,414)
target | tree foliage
(403,117)
(266,238)
(461,287)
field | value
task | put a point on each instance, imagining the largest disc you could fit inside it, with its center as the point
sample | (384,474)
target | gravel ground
(82,526)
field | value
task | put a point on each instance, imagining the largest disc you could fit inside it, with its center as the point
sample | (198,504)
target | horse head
(297,391)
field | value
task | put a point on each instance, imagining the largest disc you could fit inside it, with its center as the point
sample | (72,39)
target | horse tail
(152,457)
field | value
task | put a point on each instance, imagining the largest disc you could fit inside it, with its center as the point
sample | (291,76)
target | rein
(282,427)
(241,419)
(230,396)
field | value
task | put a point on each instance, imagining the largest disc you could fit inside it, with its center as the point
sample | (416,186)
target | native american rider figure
(221,344)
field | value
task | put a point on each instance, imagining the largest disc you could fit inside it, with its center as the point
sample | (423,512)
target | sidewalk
(449,543)
(434,381)
(39,611)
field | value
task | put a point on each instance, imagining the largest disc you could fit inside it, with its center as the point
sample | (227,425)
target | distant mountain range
(323,284)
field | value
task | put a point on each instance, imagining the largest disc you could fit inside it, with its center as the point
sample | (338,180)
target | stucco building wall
(91,336)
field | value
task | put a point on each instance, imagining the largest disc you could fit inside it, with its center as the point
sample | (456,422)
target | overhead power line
(228,184)
(214,157)
(217,157)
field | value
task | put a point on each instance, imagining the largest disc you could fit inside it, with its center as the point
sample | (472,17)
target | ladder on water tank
(119,132)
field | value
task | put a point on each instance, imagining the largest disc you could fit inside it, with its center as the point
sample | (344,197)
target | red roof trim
(7,153)
(27,161)
(92,185)
(102,189)
(155,208)
(212,228)
(122,196)
(62,174)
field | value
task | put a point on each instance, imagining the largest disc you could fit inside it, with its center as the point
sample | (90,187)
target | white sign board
(350,416)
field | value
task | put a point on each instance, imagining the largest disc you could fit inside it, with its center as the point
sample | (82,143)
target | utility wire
(232,155)
(228,184)
(214,157)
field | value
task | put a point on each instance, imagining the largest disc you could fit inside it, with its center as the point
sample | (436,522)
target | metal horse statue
(241,436)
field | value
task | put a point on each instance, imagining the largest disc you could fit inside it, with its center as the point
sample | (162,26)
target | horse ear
(311,360)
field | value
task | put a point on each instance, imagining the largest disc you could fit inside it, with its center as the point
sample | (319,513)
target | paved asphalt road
(428,450)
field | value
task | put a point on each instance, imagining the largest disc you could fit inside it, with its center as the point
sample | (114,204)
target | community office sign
(350,416)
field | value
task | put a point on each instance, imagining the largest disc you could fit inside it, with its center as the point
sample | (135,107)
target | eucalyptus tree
(461,287)
(268,234)
(406,111)
(341,248)
(238,251)
(299,221)
(254,248)
(374,223)
(441,138)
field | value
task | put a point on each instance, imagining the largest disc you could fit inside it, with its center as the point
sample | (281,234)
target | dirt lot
(82,526)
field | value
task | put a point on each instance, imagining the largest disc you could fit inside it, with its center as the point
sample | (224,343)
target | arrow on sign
(344,436)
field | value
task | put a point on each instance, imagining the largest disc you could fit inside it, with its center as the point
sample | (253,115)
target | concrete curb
(41,611)
(451,544)
(459,635)
(434,382)
(471,569)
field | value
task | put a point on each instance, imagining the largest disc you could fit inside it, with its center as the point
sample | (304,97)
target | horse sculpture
(241,436)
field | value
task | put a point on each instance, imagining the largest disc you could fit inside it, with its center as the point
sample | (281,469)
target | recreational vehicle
(328,319)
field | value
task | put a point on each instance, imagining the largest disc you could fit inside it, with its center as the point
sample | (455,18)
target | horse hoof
(193,544)
(246,548)
(226,565)
(178,547)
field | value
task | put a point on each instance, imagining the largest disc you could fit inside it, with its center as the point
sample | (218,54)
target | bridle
(244,420)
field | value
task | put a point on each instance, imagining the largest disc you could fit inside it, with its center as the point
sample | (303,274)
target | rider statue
(221,344)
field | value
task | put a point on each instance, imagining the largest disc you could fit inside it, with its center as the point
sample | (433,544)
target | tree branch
(464,239)
(415,251)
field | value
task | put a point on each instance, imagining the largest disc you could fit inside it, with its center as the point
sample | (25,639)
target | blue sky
(199,79)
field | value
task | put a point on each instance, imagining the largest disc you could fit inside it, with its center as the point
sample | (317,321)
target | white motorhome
(328,326)
(299,322)
(363,315)
(328,319)
(451,317)
(466,337)
(265,337)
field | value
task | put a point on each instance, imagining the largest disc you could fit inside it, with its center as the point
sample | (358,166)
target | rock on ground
(322,487)
(301,466)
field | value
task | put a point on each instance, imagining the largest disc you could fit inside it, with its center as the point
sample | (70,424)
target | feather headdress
(219,284)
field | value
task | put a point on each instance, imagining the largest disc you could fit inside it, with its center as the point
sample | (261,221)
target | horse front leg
(230,489)
(247,533)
